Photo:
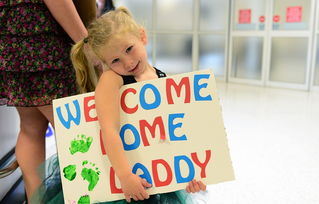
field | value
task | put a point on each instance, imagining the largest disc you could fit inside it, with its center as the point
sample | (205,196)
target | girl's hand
(134,186)
(195,186)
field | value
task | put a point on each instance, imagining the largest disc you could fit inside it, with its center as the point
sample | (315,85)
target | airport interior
(264,56)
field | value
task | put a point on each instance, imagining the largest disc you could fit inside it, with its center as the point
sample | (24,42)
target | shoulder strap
(159,73)
(128,79)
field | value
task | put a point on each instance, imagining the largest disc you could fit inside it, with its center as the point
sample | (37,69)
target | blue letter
(191,174)
(137,141)
(49,131)
(70,118)
(146,174)
(172,127)
(157,95)
(198,87)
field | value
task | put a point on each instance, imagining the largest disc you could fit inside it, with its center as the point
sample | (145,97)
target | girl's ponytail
(124,10)
(86,75)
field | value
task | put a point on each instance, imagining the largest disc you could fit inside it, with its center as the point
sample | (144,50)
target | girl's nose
(129,63)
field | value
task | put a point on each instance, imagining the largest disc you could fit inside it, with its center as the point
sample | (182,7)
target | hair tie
(86,40)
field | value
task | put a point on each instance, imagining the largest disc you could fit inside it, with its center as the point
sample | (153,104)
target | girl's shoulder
(110,76)
(109,80)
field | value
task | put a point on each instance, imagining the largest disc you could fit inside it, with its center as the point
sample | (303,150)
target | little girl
(119,43)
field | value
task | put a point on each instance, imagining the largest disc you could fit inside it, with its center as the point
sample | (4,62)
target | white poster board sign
(171,128)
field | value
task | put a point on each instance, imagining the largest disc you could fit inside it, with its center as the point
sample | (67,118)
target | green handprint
(80,144)
(69,172)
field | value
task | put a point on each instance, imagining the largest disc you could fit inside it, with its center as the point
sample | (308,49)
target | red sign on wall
(261,19)
(276,18)
(294,14)
(244,16)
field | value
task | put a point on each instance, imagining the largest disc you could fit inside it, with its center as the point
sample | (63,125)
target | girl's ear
(143,36)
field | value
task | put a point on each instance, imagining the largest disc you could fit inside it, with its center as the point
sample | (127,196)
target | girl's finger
(140,196)
(128,198)
(135,197)
(145,195)
(196,186)
(187,189)
(191,187)
(202,186)
(146,184)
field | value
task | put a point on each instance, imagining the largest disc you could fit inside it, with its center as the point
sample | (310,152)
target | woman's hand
(195,186)
(134,186)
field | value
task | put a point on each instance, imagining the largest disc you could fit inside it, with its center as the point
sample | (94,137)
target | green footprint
(90,174)
(69,172)
(84,200)
(80,144)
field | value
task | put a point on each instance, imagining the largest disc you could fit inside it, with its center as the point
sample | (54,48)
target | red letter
(114,189)
(143,124)
(101,144)
(169,178)
(87,109)
(171,82)
(201,165)
(123,105)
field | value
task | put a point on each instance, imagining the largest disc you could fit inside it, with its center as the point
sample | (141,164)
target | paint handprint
(80,144)
(69,172)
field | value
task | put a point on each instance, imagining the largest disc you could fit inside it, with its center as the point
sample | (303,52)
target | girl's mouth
(135,68)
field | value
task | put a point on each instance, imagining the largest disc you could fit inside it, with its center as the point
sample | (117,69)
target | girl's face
(125,54)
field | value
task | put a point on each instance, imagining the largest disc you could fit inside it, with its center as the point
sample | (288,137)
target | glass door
(247,41)
(212,34)
(290,38)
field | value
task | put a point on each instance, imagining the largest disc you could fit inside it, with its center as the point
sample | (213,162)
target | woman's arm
(107,108)
(66,15)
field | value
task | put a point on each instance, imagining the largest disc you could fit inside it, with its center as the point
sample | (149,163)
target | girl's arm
(107,107)
(66,15)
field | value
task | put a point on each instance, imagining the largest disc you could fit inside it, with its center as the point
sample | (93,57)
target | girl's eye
(115,60)
(129,49)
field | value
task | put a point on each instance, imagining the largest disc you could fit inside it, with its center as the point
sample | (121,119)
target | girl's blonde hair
(100,32)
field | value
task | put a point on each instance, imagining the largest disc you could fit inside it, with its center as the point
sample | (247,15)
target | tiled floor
(273,135)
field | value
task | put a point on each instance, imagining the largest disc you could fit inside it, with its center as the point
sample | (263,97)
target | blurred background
(271,43)
(265,58)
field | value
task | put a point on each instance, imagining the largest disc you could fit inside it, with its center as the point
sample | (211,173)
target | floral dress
(35,66)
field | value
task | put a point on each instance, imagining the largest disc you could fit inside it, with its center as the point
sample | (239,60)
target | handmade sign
(171,128)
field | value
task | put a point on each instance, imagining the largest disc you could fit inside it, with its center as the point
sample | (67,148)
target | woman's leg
(47,111)
(30,147)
